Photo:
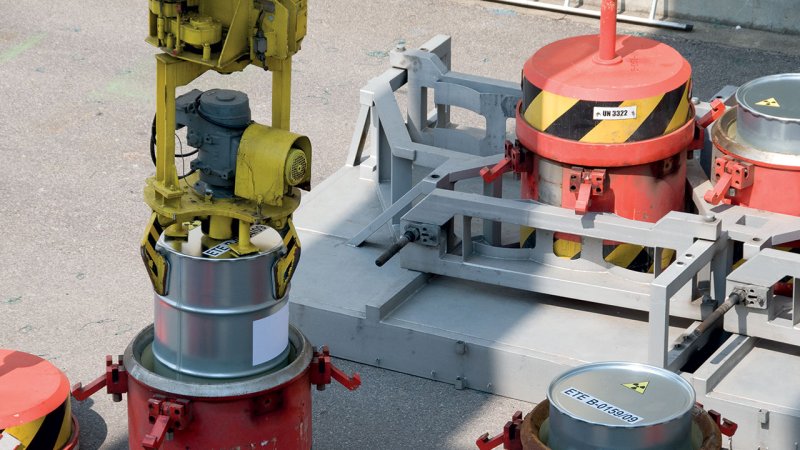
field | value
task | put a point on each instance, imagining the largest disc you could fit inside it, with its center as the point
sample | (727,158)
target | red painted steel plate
(30,388)
(568,68)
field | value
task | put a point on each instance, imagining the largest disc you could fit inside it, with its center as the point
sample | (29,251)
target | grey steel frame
(453,246)
(689,288)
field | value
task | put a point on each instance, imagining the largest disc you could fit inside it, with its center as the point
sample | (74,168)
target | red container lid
(569,68)
(30,388)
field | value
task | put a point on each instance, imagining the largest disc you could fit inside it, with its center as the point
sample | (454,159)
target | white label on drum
(621,113)
(596,403)
(270,336)
(9,442)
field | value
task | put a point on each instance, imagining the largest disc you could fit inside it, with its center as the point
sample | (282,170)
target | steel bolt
(732,192)
(170,435)
(400,47)
(710,218)
(695,101)
(116,398)
(763,416)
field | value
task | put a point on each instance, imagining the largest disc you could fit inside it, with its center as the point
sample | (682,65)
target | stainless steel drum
(220,318)
(620,406)
(768,117)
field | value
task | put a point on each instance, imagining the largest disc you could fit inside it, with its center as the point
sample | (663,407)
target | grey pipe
(733,299)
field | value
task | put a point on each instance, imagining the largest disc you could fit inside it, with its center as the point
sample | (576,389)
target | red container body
(774,188)
(279,418)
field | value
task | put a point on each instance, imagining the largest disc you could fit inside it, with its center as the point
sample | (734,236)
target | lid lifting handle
(607,53)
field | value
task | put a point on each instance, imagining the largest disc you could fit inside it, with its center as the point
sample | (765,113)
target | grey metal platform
(437,327)
(465,305)
(502,340)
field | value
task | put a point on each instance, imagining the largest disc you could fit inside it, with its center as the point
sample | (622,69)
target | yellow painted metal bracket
(285,267)
(171,72)
(156,264)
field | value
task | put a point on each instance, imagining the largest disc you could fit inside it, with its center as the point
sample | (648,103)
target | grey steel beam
(593,13)
(665,286)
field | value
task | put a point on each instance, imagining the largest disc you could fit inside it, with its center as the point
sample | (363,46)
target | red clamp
(726,427)
(588,184)
(716,111)
(509,438)
(166,417)
(323,370)
(514,160)
(115,380)
(730,174)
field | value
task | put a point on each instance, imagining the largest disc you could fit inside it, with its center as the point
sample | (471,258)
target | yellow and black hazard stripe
(155,263)
(51,432)
(284,268)
(630,256)
(574,119)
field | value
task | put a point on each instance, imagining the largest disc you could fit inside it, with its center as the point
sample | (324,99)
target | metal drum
(768,117)
(620,406)
(220,318)
(757,147)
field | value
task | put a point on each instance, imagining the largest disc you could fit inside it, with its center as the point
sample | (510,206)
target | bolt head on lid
(30,388)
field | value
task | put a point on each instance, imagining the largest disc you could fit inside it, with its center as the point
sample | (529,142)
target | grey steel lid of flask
(768,117)
(620,405)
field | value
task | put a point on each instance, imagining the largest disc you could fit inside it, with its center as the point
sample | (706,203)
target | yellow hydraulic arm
(226,36)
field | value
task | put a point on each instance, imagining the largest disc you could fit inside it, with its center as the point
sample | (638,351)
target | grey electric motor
(215,121)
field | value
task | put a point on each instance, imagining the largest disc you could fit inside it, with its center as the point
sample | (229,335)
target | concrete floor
(77,83)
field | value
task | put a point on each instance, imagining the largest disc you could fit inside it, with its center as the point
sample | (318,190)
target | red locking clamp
(516,159)
(726,427)
(509,438)
(730,174)
(115,380)
(588,184)
(166,417)
(323,370)
(716,111)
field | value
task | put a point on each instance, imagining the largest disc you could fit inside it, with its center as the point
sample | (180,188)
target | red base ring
(775,188)
(756,162)
(74,441)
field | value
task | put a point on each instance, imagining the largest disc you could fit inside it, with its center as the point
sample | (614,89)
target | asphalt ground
(76,102)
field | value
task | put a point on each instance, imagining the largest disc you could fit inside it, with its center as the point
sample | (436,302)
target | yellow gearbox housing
(270,162)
